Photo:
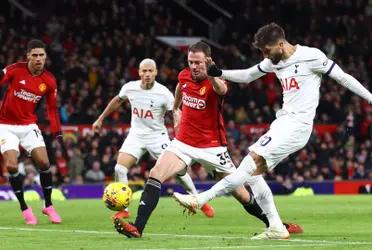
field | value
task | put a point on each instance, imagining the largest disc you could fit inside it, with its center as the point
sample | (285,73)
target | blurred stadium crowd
(95,47)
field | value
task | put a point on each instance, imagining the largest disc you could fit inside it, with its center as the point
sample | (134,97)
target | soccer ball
(117,196)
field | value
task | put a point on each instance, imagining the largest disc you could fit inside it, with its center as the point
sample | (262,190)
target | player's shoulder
(49,75)
(310,53)
(184,74)
(17,65)
(132,84)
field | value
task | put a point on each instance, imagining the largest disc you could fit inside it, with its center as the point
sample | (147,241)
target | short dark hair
(35,43)
(268,35)
(201,47)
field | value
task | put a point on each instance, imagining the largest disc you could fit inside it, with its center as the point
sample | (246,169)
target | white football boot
(187,201)
(272,234)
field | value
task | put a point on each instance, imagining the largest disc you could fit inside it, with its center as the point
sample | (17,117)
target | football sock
(148,202)
(16,182)
(187,183)
(254,209)
(47,185)
(265,200)
(121,173)
(223,187)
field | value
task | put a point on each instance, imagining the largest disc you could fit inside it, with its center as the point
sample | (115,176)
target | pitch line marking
(308,242)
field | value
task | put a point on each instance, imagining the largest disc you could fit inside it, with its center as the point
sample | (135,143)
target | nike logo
(22,82)
(142,203)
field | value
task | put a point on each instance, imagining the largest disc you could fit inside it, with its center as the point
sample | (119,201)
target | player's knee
(260,163)
(43,164)
(11,165)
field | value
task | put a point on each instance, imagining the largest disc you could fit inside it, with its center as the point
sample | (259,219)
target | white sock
(223,187)
(264,197)
(187,183)
(121,173)
(229,183)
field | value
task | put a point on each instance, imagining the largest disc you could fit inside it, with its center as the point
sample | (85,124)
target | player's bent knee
(11,167)
(260,163)
(43,165)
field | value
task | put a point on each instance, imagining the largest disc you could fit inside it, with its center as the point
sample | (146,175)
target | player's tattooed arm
(113,105)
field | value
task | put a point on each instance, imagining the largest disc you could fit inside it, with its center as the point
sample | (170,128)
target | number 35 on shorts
(224,158)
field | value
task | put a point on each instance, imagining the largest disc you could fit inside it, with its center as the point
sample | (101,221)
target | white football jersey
(148,107)
(300,76)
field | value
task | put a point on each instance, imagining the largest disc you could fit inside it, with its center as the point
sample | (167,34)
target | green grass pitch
(330,222)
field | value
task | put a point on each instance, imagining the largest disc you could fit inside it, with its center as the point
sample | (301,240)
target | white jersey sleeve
(265,66)
(123,94)
(247,75)
(321,64)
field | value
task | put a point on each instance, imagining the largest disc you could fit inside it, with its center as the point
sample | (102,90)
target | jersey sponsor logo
(202,90)
(289,83)
(140,113)
(27,96)
(42,87)
(22,82)
(193,102)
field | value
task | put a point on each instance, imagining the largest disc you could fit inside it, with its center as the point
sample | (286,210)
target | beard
(198,78)
(276,58)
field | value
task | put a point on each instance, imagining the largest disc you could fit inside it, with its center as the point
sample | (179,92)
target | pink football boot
(52,214)
(29,217)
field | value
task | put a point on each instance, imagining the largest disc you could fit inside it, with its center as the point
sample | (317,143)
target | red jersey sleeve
(53,114)
(6,74)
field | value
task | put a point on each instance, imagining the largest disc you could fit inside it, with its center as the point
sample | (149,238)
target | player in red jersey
(200,138)
(28,82)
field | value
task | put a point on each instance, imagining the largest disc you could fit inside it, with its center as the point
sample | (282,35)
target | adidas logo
(142,203)
(22,82)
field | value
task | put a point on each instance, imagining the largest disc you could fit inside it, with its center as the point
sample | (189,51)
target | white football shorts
(28,136)
(213,158)
(137,146)
(285,136)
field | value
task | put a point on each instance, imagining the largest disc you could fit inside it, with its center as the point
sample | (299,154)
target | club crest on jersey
(140,113)
(289,83)
(193,102)
(202,90)
(2,141)
(42,87)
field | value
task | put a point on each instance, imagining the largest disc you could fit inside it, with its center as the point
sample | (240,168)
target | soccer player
(149,102)
(28,82)
(299,69)
(200,138)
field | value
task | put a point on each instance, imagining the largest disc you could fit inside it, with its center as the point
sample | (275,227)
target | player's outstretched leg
(188,184)
(148,202)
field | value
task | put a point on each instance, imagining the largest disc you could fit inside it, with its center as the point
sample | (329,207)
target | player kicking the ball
(200,138)
(299,69)
(149,102)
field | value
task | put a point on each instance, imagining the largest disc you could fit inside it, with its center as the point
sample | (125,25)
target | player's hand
(97,125)
(214,71)
(59,138)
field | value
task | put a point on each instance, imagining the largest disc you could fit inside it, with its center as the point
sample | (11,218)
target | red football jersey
(202,123)
(24,93)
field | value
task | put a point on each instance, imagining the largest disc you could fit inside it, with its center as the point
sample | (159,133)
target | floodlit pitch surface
(330,222)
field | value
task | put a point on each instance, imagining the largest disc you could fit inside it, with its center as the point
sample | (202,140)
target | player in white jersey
(149,102)
(299,69)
